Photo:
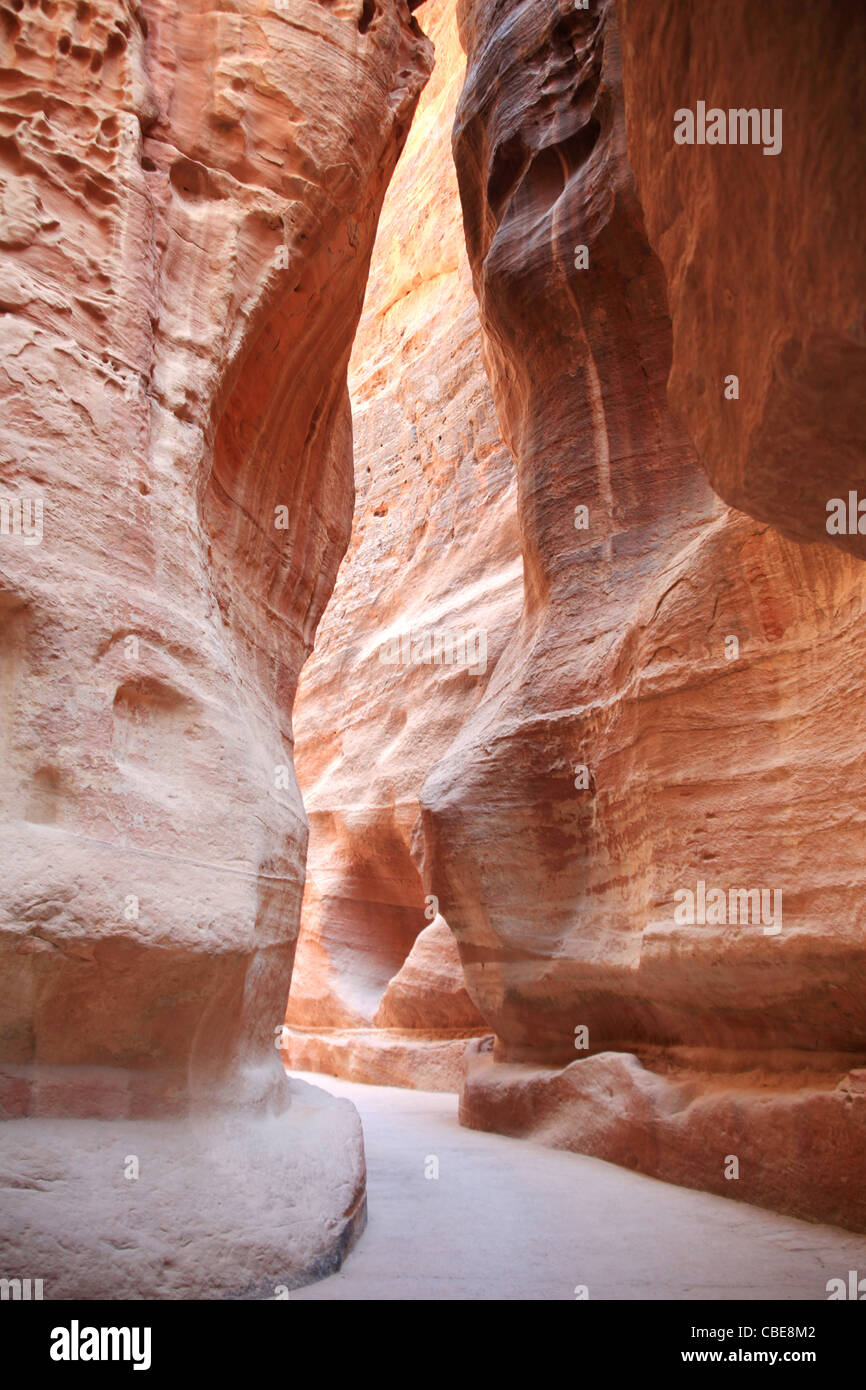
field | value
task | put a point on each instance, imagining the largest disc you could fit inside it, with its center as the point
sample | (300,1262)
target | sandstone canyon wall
(189,200)
(592,653)
(681,703)
(378,992)
(764,257)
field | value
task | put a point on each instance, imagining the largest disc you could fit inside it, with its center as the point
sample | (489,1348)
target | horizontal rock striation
(676,720)
(189,202)
(763,252)
(422,607)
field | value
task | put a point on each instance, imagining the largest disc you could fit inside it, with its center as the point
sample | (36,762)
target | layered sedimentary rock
(423,605)
(189,201)
(676,721)
(764,254)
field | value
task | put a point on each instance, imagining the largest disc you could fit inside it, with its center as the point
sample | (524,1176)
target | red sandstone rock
(422,1059)
(188,211)
(796,1133)
(186,219)
(433,553)
(764,255)
(429,990)
(628,749)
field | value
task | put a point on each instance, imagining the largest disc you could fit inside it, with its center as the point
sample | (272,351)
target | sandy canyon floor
(508,1219)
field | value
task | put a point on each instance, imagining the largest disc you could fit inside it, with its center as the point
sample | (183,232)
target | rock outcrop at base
(779,1129)
(423,605)
(646,837)
(189,204)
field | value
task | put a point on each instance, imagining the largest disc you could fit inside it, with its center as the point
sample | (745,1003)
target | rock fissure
(432,579)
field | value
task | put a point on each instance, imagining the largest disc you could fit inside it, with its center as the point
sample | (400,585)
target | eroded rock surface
(764,255)
(680,703)
(189,202)
(422,607)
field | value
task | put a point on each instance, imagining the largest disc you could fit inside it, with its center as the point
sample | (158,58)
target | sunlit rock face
(423,605)
(764,254)
(678,713)
(189,203)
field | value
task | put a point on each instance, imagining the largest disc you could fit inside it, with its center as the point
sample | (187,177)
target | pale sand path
(508,1219)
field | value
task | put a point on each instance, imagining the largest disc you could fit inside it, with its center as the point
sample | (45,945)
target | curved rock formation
(677,716)
(580,742)
(764,255)
(422,607)
(189,203)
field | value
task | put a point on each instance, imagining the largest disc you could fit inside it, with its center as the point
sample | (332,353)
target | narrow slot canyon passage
(432,650)
(513,739)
